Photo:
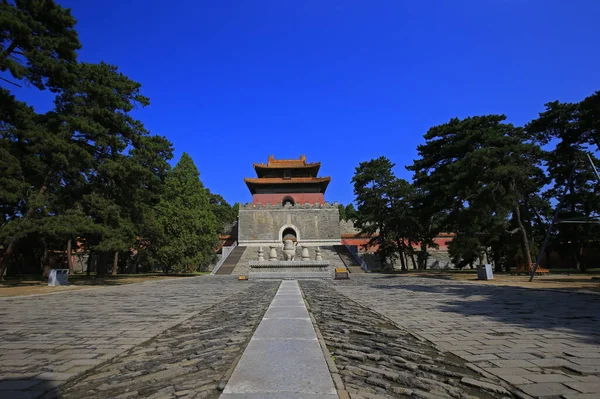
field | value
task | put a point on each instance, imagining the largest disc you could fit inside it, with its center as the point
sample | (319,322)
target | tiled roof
(279,180)
(287,163)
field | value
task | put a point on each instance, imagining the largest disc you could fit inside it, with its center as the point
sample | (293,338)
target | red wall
(299,198)
(442,241)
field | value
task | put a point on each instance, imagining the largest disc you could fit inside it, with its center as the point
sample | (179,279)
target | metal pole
(562,199)
(593,166)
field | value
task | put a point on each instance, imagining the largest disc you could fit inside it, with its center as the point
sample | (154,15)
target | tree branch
(513,231)
(12,83)
(10,49)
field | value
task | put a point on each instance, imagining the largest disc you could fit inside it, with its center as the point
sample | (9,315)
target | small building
(288,202)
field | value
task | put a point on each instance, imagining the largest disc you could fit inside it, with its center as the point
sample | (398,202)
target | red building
(282,181)
(442,240)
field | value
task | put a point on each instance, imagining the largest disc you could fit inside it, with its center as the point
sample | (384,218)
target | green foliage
(350,212)
(342,211)
(225,215)
(88,172)
(384,209)
(37,42)
(574,129)
(478,171)
(189,225)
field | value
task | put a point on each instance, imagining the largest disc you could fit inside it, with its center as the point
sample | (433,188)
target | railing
(224,257)
(361,262)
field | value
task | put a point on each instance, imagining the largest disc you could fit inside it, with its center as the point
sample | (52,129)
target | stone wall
(314,224)
(347,227)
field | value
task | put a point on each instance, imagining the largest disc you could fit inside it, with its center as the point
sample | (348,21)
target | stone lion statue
(289,250)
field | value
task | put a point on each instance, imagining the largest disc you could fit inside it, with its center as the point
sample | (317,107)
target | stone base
(290,269)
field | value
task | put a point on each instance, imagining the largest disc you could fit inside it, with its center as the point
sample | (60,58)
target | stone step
(348,259)
(232,260)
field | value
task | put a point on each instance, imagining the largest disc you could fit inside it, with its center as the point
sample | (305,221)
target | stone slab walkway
(49,339)
(190,361)
(283,359)
(546,343)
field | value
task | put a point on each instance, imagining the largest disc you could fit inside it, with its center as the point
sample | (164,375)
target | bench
(341,273)
(527,269)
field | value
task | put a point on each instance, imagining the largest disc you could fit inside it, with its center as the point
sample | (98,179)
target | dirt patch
(36,286)
(563,282)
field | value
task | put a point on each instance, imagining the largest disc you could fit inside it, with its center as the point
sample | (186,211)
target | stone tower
(288,203)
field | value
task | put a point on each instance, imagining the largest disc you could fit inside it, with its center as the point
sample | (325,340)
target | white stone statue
(273,253)
(261,255)
(318,257)
(289,250)
(305,255)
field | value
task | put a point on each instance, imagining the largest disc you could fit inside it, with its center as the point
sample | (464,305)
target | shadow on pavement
(21,388)
(568,312)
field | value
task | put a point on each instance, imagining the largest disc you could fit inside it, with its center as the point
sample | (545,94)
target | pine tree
(342,211)
(384,210)
(189,225)
(574,129)
(224,213)
(350,212)
(478,172)
(37,42)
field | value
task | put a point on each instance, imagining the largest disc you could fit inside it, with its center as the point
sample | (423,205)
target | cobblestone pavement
(376,359)
(191,360)
(546,343)
(48,339)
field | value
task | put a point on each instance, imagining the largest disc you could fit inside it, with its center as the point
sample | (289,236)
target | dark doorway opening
(289,234)
(288,200)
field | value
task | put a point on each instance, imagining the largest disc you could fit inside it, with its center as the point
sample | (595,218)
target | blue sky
(342,81)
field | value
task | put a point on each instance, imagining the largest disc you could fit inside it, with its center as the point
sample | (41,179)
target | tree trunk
(115,263)
(101,266)
(422,256)
(577,255)
(412,258)
(4,260)
(88,272)
(497,263)
(45,261)
(524,239)
(406,259)
(401,248)
(10,250)
(402,264)
(70,258)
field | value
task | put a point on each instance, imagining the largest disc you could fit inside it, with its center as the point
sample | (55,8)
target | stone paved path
(377,359)
(48,339)
(283,359)
(189,361)
(544,342)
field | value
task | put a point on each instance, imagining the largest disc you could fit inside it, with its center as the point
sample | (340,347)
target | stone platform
(289,269)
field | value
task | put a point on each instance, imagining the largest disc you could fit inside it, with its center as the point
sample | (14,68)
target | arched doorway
(289,234)
(288,200)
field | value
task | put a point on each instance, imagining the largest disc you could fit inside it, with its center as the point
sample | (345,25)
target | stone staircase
(349,260)
(243,268)
(232,260)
